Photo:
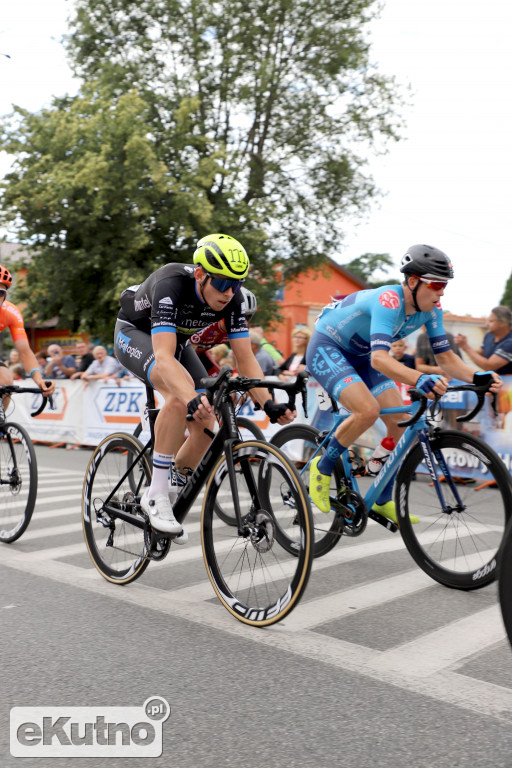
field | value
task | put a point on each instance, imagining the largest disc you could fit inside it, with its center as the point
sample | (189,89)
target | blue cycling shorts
(335,369)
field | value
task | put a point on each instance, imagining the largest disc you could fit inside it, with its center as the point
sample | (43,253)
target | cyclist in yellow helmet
(152,340)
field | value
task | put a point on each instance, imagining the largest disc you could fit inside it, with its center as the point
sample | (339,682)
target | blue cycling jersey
(369,320)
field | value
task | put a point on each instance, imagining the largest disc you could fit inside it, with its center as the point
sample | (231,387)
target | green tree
(251,118)
(506,299)
(368,264)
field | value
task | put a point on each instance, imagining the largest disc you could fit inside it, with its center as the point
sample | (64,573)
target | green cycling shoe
(388,511)
(319,486)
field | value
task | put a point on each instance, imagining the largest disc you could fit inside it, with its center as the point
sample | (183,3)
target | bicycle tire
(116,547)
(258,580)
(460,549)
(505,581)
(18,481)
(242,423)
(299,442)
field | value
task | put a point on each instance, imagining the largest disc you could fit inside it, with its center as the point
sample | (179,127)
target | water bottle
(379,456)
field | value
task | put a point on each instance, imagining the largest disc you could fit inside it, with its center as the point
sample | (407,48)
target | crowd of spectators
(92,363)
(89,363)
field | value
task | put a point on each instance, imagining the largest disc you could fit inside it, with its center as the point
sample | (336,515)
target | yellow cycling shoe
(319,487)
(388,511)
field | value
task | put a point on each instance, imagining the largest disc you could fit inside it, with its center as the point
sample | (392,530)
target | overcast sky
(447,184)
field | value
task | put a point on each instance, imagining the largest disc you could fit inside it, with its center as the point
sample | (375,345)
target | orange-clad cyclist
(11,318)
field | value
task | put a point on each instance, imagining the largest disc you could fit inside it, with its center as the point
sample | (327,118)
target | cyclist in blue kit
(349,355)
(152,340)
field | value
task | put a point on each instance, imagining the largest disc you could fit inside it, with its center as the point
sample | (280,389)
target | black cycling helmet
(426,261)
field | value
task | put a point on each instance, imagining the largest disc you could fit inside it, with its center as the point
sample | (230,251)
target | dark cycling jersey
(369,320)
(168,301)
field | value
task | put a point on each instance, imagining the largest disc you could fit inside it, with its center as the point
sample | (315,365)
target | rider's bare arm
(458,369)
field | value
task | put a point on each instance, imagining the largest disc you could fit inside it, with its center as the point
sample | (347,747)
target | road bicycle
(18,469)
(456,485)
(259,567)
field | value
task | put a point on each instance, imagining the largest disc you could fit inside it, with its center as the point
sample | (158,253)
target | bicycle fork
(431,457)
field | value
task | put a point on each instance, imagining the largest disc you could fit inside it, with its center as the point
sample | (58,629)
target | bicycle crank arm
(389,524)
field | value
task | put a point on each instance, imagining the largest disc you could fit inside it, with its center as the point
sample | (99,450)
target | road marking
(444,684)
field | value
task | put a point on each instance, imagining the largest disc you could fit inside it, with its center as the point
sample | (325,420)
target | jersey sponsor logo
(166,301)
(141,304)
(389,299)
(123,342)
(348,379)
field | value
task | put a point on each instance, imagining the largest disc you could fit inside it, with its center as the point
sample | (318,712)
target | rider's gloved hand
(194,404)
(483,377)
(427,381)
(275,410)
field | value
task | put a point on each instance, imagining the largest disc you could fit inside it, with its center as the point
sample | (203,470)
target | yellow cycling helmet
(222,255)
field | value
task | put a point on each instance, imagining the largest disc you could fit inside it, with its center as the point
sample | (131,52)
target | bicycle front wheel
(247,430)
(260,569)
(18,481)
(458,546)
(300,443)
(117,548)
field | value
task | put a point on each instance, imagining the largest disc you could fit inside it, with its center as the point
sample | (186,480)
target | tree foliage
(506,299)
(195,116)
(368,264)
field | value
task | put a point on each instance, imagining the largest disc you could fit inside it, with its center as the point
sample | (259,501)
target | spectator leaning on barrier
(266,362)
(496,351)
(268,347)
(297,360)
(59,366)
(425,360)
(83,360)
(103,366)
(41,359)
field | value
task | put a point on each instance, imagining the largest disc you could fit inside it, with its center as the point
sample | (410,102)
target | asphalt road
(377,666)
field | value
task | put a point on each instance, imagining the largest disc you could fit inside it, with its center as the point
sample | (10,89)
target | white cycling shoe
(161,517)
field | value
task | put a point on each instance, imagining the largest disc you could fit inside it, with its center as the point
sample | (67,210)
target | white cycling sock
(161,466)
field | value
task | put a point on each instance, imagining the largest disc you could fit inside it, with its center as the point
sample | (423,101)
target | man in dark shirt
(495,354)
(425,359)
(84,359)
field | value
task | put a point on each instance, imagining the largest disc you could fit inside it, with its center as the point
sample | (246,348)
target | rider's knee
(368,413)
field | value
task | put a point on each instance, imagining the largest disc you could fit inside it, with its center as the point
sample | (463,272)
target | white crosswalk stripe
(427,664)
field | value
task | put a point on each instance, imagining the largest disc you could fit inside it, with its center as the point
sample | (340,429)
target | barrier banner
(85,415)
(61,424)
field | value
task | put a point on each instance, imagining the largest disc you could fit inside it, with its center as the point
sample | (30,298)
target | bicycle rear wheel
(505,581)
(117,548)
(460,547)
(256,572)
(18,481)
(300,443)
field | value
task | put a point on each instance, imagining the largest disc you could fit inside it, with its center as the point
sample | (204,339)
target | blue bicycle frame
(418,430)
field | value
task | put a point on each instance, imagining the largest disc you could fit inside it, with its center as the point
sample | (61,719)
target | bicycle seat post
(152,410)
